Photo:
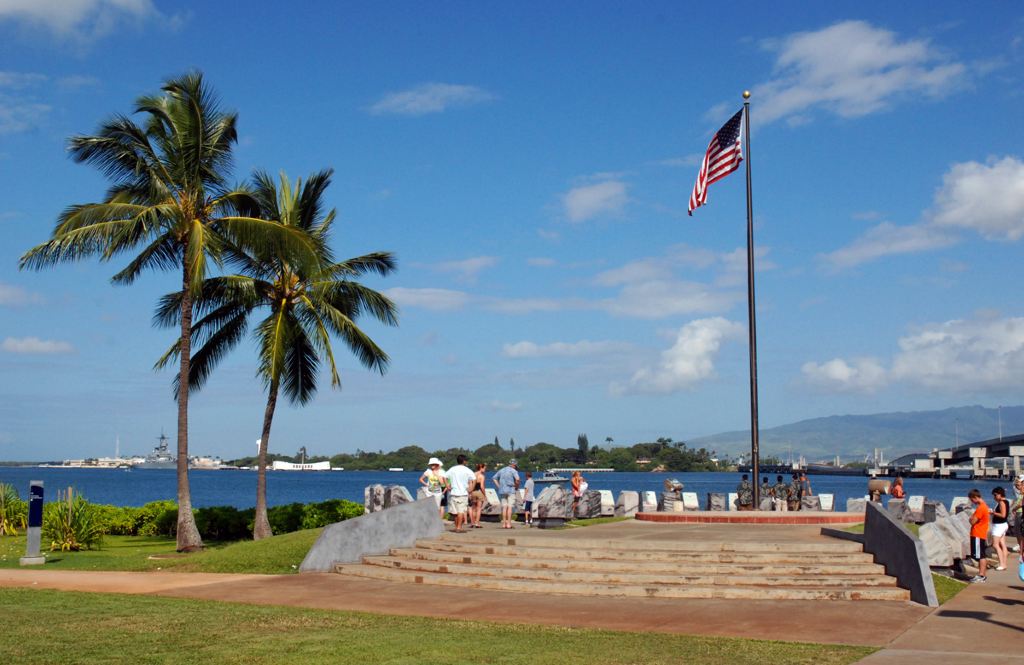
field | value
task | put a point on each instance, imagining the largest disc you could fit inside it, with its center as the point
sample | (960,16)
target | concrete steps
(709,554)
(549,564)
(536,559)
(623,590)
(636,576)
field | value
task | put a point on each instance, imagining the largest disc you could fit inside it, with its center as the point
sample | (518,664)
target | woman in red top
(897,489)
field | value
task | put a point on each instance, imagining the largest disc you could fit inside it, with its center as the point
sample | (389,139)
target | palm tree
(306,303)
(170,196)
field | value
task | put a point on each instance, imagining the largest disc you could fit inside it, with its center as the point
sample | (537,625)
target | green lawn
(280,554)
(111,628)
(947,587)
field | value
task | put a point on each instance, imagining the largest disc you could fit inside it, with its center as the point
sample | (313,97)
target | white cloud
(657,299)
(584,347)
(498,405)
(987,198)
(34,345)
(688,362)
(549,235)
(851,68)
(652,288)
(432,299)
(20,111)
(82,19)
(430,98)
(467,269)
(77,82)
(15,295)
(960,355)
(887,239)
(541,262)
(526,305)
(687,161)
(860,375)
(589,201)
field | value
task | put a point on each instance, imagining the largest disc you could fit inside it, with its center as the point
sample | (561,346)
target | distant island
(663,454)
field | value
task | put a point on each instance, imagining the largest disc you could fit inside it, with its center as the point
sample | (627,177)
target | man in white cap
(434,482)
(507,482)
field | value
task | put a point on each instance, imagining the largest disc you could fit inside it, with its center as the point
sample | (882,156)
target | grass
(947,587)
(913,528)
(111,628)
(280,554)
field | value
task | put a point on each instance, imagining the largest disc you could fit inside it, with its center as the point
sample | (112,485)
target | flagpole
(755,453)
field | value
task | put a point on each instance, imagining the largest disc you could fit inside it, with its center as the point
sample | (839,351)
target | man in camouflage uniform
(780,494)
(745,494)
(794,492)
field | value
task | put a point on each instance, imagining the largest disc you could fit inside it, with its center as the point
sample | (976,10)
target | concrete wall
(373,533)
(902,554)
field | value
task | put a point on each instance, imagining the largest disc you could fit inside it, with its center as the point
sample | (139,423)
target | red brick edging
(748,518)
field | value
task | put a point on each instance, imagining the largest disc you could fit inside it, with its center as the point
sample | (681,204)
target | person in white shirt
(460,478)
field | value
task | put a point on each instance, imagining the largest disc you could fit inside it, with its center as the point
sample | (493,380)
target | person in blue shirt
(507,482)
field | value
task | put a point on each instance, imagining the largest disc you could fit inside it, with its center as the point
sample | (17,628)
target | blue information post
(33,557)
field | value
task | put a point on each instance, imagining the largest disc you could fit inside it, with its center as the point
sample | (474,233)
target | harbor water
(238,488)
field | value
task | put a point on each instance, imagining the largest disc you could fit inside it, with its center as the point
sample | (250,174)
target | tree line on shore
(663,454)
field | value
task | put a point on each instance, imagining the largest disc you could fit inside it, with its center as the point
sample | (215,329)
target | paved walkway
(983,624)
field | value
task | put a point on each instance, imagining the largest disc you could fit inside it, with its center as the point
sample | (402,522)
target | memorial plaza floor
(983,624)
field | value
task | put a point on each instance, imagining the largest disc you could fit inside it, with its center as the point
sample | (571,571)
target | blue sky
(530,165)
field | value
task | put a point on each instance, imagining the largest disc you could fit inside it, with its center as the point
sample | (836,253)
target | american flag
(725,152)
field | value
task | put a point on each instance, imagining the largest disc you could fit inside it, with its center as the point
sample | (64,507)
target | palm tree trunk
(261,524)
(189,539)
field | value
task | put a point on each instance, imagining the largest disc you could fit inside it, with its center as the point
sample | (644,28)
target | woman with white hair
(435,482)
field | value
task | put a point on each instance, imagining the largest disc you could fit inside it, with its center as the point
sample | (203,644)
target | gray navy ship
(160,458)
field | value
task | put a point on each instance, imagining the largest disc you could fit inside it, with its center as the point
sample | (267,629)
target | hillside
(853,437)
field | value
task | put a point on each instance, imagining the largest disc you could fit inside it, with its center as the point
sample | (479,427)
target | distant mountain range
(853,437)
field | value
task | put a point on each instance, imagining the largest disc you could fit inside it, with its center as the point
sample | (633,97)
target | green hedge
(160,518)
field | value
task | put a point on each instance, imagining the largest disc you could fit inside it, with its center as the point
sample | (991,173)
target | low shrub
(71,523)
(286,518)
(315,515)
(224,523)
(13,511)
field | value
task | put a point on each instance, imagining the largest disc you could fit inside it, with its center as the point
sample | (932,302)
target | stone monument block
(896,507)
(493,506)
(650,502)
(916,503)
(959,503)
(690,501)
(937,546)
(373,498)
(589,505)
(856,505)
(554,507)
(828,502)
(733,501)
(627,504)
(810,503)
(717,501)
(607,503)
(766,504)
(421,493)
(668,501)
(396,495)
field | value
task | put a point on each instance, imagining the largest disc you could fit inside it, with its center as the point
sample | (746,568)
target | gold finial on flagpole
(746,94)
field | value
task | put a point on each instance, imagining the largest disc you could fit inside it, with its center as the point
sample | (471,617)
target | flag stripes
(723,156)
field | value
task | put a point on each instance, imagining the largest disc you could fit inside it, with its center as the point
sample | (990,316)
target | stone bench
(628,503)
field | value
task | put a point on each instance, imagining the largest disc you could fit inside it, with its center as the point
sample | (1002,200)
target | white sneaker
(978,579)
(1000,567)
(1015,548)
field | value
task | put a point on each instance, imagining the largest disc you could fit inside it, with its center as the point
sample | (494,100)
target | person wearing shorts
(979,533)
(477,496)
(507,482)
(459,478)
(1000,525)
(528,499)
